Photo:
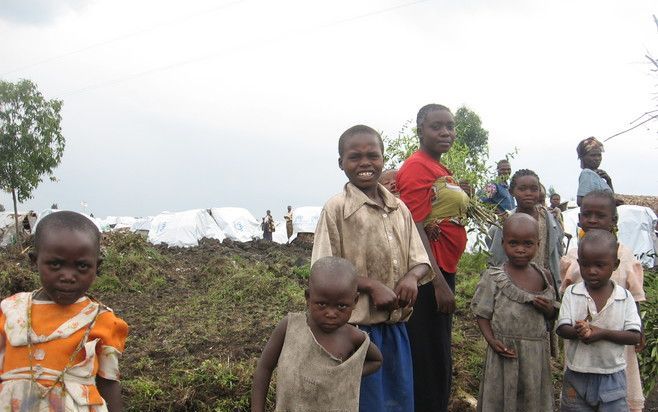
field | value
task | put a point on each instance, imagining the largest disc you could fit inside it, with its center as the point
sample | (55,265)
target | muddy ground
(199,317)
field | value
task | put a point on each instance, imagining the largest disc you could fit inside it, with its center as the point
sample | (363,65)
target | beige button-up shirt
(382,243)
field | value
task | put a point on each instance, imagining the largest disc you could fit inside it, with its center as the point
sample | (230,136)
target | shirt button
(395,261)
(390,237)
(384,215)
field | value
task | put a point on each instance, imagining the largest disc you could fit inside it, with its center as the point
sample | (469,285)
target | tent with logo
(237,223)
(184,229)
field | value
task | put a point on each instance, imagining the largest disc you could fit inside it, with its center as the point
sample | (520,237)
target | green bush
(649,311)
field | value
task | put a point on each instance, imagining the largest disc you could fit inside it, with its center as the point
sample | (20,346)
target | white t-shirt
(619,313)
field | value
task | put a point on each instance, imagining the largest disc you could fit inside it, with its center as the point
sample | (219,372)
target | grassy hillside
(199,317)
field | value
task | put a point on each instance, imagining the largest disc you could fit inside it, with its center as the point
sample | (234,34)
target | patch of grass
(648,358)
(130,263)
(302,272)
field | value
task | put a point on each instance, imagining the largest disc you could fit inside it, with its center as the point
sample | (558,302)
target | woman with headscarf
(591,178)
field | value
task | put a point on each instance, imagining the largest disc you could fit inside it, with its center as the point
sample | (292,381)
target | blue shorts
(391,388)
(593,392)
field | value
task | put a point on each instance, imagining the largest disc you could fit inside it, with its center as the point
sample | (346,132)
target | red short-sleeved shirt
(415,181)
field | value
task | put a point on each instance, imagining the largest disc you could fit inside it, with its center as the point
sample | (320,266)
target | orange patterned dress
(56,333)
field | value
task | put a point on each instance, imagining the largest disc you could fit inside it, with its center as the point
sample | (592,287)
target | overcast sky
(173,105)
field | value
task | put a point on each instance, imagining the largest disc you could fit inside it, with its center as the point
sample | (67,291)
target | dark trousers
(430,336)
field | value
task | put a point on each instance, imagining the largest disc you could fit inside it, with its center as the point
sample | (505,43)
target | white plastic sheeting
(237,223)
(142,224)
(184,229)
(636,230)
(305,219)
(116,222)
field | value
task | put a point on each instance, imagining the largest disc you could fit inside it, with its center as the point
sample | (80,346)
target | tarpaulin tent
(184,229)
(237,223)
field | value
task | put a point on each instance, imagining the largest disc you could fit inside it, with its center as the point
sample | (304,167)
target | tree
(31,142)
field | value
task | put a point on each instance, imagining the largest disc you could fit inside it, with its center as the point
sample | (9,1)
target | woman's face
(591,159)
(437,133)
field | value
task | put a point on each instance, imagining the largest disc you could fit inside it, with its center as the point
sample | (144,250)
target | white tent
(184,229)
(142,224)
(8,225)
(636,230)
(237,223)
(305,219)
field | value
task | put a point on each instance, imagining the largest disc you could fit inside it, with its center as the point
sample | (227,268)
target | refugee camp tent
(636,230)
(8,225)
(237,223)
(184,229)
(305,219)
(142,225)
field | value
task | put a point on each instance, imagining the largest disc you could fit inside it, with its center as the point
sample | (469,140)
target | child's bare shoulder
(357,336)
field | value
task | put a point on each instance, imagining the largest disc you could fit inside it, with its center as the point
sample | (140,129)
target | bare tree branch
(655,116)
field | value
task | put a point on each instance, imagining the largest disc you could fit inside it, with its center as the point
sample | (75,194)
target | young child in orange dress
(59,348)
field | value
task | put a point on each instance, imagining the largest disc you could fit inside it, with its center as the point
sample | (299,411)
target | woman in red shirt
(438,205)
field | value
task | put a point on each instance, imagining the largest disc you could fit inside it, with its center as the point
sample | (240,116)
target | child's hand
(500,348)
(544,305)
(383,297)
(433,232)
(583,329)
(639,347)
(406,291)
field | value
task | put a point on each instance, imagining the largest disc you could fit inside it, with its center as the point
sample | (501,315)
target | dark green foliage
(649,311)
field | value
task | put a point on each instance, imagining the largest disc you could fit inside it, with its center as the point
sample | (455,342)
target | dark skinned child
(597,319)
(319,357)
(599,211)
(374,230)
(62,347)
(514,304)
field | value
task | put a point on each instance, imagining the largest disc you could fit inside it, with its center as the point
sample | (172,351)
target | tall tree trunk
(18,233)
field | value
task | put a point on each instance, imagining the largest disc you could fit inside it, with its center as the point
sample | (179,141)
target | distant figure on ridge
(288,217)
(268,226)
(591,178)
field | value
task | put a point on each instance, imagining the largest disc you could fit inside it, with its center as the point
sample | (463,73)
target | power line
(122,37)
(216,54)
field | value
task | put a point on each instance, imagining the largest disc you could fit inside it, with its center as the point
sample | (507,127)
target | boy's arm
(567,332)
(266,364)
(373,359)
(498,346)
(445,299)
(622,337)
(406,289)
(110,391)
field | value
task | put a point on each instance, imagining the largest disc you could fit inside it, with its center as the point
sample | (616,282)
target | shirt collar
(355,198)
(618,292)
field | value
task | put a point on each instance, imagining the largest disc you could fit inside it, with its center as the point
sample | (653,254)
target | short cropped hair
(354,130)
(66,220)
(600,237)
(335,267)
(427,109)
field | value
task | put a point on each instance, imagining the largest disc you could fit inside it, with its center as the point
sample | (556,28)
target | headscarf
(587,145)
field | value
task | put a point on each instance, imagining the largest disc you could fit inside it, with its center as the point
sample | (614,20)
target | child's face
(330,305)
(362,160)
(597,262)
(67,261)
(596,213)
(520,243)
(526,191)
(592,159)
(388,181)
(555,201)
